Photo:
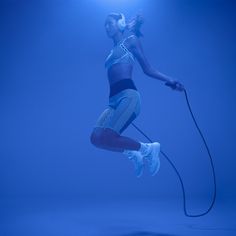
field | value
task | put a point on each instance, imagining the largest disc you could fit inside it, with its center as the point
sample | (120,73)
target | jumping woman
(124,98)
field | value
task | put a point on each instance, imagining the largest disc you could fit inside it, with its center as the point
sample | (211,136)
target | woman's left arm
(136,48)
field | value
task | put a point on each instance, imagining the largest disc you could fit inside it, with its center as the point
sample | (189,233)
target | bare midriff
(119,71)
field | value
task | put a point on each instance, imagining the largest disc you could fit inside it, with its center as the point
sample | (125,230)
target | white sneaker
(137,158)
(152,157)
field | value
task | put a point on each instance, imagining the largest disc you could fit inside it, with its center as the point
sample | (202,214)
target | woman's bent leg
(107,138)
(123,109)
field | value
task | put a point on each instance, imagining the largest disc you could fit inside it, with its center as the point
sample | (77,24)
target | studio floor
(132,217)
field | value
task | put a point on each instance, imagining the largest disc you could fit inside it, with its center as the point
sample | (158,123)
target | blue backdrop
(53,87)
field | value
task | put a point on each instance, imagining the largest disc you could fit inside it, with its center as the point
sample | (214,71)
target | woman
(124,98)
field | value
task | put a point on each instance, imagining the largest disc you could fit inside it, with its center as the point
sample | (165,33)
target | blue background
(53,87)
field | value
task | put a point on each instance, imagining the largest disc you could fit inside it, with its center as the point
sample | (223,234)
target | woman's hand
(175,85)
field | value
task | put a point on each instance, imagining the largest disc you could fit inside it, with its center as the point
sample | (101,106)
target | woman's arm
(136,48)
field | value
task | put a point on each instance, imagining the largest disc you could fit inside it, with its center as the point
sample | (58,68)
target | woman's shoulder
(132,40)
(132,37)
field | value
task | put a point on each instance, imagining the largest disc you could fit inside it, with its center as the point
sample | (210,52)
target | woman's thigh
(127,110)
(122,110)
(105,117)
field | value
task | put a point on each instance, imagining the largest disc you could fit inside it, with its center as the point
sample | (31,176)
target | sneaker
(137,158)
(152,157)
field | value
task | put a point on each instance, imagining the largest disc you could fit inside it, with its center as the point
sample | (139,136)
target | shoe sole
(155,154)
(140,172)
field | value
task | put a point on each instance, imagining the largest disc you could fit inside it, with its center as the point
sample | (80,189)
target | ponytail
(134,25)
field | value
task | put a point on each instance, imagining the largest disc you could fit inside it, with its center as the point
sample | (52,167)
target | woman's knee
(95,138)
(101,136)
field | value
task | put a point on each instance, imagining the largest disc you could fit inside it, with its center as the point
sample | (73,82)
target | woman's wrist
(168,80)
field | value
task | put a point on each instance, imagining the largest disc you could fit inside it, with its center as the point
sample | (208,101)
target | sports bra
(119,54)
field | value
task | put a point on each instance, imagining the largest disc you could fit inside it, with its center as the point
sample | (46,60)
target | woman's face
(111,26)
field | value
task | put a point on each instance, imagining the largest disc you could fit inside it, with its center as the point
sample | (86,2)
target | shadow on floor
(205,228)
(145,233)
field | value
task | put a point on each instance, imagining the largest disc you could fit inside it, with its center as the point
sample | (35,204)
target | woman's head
(116,23)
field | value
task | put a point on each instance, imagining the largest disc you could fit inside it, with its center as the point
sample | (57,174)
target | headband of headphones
(121,22)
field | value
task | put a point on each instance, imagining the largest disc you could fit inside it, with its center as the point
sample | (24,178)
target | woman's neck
(117,39)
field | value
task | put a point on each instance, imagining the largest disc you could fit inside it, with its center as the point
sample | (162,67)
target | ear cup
(121,22)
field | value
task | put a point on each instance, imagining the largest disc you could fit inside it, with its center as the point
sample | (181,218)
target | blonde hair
(135,24)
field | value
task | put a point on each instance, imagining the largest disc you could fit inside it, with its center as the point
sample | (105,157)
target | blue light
(119,3)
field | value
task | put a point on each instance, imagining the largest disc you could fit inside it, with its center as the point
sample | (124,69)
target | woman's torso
(118,72)
(119,62)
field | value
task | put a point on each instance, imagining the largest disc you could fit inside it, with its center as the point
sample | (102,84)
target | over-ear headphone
(121,22)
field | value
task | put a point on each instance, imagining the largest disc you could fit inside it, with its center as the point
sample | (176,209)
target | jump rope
(180,179)
(121,23)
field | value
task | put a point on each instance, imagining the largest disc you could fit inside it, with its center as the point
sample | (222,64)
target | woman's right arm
(136,48)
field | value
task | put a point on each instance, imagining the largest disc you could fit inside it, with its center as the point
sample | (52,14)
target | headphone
(121,22)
